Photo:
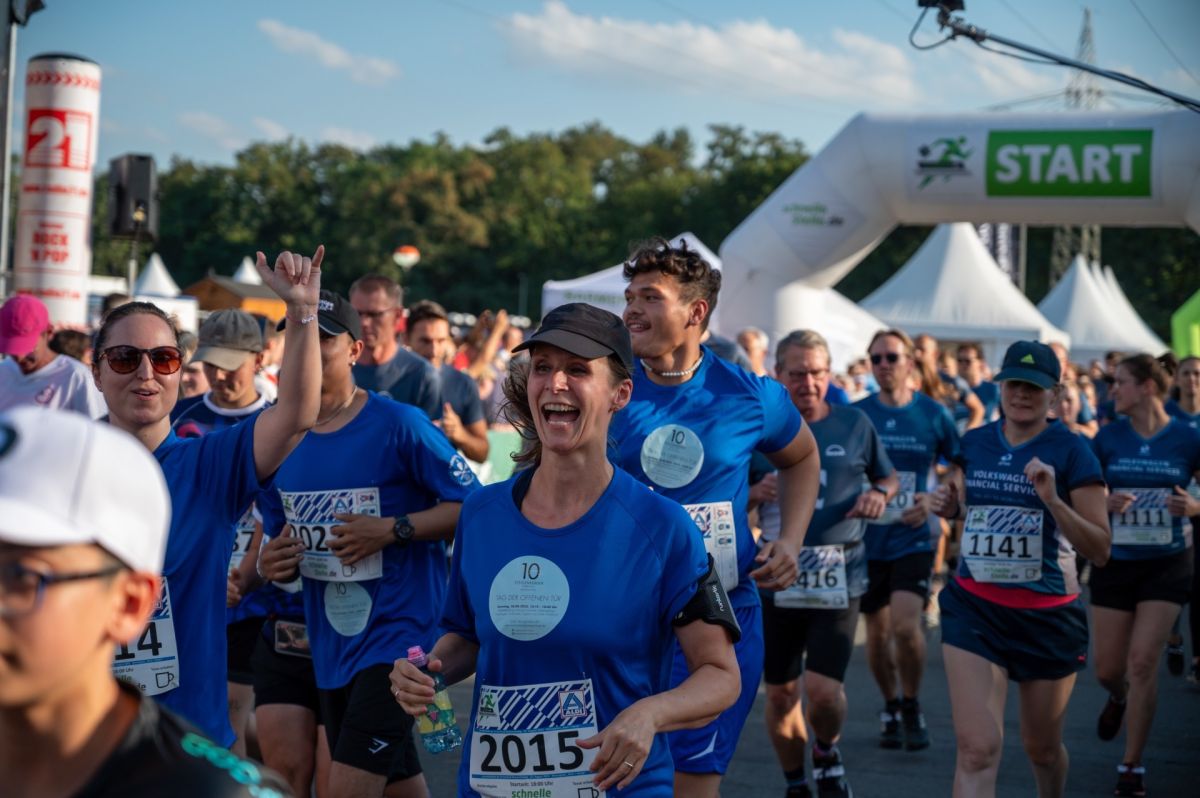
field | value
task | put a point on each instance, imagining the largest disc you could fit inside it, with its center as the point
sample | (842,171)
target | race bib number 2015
(311,514)
(525,741)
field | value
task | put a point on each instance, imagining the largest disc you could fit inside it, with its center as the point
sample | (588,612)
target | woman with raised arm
(180,657)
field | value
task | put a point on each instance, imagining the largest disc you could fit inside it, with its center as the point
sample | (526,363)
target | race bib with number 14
(151,662)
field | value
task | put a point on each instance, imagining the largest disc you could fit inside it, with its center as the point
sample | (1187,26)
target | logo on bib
(571,704)
(834,450)
(487,703)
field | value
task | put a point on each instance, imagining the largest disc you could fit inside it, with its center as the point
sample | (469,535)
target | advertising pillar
(52,252)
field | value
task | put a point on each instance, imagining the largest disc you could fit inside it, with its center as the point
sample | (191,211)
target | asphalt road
(1172,760)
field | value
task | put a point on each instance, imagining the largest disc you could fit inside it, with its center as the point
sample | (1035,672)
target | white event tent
(155,284)
(846,327)
(952,289)
(1084,304)
(246,273)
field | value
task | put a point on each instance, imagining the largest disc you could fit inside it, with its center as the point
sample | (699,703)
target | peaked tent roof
(952,289)
(1137,329)
(246,273)
(155,280)
(1083,305)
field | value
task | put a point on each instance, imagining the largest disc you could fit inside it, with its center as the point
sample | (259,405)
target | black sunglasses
(891,357)
(126,359)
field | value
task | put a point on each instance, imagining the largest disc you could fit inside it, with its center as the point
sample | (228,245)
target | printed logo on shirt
(1144,450)
(890,423)
(460,470)
(45,396)
(835,450)
(1006,459)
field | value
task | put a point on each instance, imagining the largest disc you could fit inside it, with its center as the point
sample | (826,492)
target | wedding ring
(628,764)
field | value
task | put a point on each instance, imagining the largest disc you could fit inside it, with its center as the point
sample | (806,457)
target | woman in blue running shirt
(1149,458)
(180,659)
(1033,495)
(569,586)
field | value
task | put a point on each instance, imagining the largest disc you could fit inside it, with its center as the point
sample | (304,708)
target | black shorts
(283,678)
(241,638)
(800,638)
(1123,584)
(910,573)
(367,729)
(1031,644)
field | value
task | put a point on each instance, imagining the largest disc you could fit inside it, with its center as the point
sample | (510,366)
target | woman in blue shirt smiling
(569,586)
(180,658)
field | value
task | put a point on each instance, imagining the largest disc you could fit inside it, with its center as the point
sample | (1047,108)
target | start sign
(1068,163)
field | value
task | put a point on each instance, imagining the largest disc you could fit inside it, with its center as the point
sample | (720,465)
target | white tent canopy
(155,280)
(1082,303)
(246,273)
(606,288)
(953,290)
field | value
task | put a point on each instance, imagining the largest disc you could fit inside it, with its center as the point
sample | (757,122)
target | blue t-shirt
(915,436)
(406,378)
(1175,411)
(580,614)
(692,443)
(989,395)
(462,393)
(212,481)
(389,460)
(834,395)
(1007,525)
(197,416)
(852,457)
(1149,468)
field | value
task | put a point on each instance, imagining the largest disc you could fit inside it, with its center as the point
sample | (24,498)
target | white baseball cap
(66,479)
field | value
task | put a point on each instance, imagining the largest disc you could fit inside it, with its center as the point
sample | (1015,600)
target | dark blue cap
(585,331)
(1032,362)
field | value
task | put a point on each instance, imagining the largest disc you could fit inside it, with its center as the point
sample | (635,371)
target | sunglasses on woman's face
(891,357)
(126,359)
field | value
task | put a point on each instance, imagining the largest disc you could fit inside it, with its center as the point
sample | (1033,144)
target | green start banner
(1068,163)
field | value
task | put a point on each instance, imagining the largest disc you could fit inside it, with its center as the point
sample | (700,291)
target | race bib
(672,456)
(241,540)
(821,584)
(525,741)
(291,638)
(715,521)
(904,498)
(151,662)
(1147,522)
(1003,544)
(311,515)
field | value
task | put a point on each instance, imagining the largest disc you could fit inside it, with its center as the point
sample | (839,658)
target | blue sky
(201,78)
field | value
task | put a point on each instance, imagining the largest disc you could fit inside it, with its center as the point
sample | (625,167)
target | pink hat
(22,320)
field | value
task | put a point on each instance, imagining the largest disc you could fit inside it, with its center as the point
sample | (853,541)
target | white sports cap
(67,479)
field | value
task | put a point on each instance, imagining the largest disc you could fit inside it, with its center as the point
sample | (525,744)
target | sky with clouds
(202,79)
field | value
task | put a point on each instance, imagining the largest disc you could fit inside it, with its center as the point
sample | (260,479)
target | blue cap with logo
(1032,362)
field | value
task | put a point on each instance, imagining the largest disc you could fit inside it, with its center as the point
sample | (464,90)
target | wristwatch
(402,531)
(881,489)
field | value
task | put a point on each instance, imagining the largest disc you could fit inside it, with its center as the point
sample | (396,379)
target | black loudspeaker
(133,197)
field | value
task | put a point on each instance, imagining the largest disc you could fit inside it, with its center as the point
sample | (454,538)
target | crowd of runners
(214,591)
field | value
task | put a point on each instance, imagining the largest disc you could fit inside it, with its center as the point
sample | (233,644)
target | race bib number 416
(1003,544)
(525,741)
(311,515)
(821,583)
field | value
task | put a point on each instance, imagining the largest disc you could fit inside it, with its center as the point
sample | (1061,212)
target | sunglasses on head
(891,357)
(126,359)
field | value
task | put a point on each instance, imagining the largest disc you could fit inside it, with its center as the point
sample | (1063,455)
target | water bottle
(439,731)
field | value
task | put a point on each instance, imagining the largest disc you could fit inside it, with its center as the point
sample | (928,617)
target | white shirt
(63,383)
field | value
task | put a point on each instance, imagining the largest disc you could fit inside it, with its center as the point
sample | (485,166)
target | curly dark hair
(696,277)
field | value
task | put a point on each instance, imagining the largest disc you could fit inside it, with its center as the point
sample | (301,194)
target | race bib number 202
(311,514)
(525,741)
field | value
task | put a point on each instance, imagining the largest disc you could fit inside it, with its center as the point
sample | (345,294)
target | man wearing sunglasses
(32,373)
(80,573)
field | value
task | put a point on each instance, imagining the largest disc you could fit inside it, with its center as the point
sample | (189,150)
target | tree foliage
(500,218)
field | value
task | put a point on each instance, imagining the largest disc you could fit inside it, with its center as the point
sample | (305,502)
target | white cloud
(361,68)
(271,130)
(354,139)
(213,128)
(741,56)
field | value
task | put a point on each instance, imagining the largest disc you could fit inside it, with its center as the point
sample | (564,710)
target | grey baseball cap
(226,337)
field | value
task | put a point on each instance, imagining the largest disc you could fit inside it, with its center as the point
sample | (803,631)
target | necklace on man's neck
(685,373)
(321,422)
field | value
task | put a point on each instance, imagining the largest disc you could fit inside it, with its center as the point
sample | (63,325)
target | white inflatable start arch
(1120,169)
